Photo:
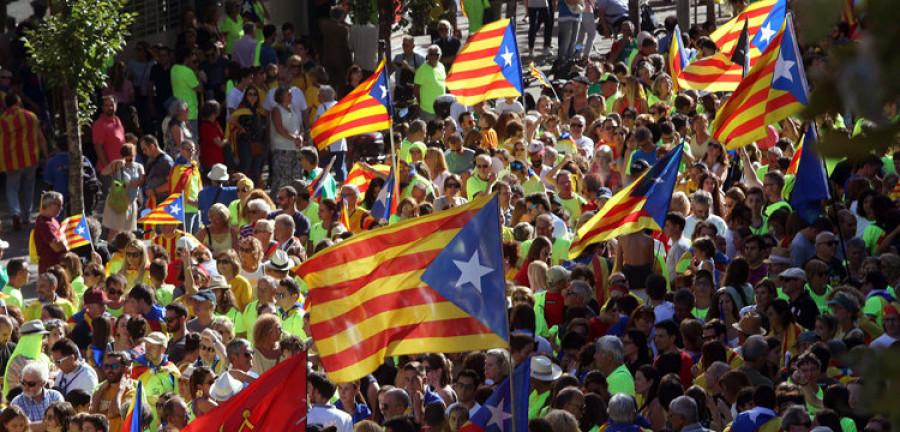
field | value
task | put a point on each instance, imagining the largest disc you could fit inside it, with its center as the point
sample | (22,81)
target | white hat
(279,261)
(218,172)
(186,242)
(225,387)
(4,245)
(542,369)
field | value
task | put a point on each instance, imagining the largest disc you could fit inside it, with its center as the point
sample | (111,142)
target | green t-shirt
(560,250)
(820,300)
(431,82)
(407,191)
(620,381)
(312,213)
(233,30)
(184,81)
(475,185)
(536,401)
(871,236)
(15,296)
(573,206)
(165,294)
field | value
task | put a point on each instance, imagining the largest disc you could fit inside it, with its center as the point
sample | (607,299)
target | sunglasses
(830,243)
(60,361)
(133,254)
(482,166)
(114,292)
(29,383)
(207,348)
(576,125)
(452,185)
(111,366)
(170,319)
(516,165)
(248,353)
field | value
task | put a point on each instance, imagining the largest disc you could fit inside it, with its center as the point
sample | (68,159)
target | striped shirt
(19,135)
(168,242)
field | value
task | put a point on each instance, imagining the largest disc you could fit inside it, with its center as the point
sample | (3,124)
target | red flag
(276,401)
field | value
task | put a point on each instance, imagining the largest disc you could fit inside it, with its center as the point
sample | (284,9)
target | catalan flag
(765,18)
(795,161)
(429,284)
(722,71)
(74,232)
(811,184)
(361,178)
(388,198)
(488,66)
(170,211)
(366,109)
(507,408)
(345,214)
(535,73)
(678,59)
(643,204)
(323,184)
(774,89)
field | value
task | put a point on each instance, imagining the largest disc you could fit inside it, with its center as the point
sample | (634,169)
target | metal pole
(683,14)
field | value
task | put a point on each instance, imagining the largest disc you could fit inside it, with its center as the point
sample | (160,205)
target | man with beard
(115,390)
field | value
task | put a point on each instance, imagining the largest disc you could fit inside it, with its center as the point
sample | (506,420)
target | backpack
(92,188)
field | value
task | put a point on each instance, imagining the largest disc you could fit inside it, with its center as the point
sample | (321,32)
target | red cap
(95,296)
(890,309)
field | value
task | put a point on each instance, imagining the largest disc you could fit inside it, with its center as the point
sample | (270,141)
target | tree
(72,51)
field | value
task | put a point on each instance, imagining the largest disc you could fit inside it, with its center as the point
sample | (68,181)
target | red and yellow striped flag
(764,18)
(368,300)
(535,73)
(774,89)
(678,59)
(722,71)
(361,178)
(74,232)
(488,66)
(366,109)
(170,211)
(19,130)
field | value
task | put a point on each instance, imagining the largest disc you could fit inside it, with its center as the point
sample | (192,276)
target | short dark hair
(141,292)
(179,309)
(538,198)
(676,218)
(668,325)
(65,347)
(321,383)
(78,397)
(290,285)
(309,155)
(399,424)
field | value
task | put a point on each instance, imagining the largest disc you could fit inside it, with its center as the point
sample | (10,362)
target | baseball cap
(793,273)
(536,147)
(604,193)
(204,295)
(95,296)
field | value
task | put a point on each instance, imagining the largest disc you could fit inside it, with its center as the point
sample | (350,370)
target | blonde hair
(537,276)
(142,266)
(264,325)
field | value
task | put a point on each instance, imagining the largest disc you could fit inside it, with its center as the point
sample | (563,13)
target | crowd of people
(737,313)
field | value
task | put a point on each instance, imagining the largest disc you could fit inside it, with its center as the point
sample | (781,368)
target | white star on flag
(783,68)
(766,32)
(247,8)
(498,416)
(383,91)
(471,272)
(175,209)
(80,231)
(507,58)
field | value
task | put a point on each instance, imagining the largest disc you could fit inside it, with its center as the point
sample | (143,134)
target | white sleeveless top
(291,122)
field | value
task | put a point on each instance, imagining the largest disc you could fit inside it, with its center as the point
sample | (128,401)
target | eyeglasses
(111,366)
(170,319)
(830,243)
(30,383)
(248,353)
(452,186)
(578,125)
(482,166)
(207,348)
(133,254)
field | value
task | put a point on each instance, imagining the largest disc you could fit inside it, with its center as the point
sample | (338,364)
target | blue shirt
(33,409)
(207,197)
(57,172)
(640,154)
(362,411)
(267,55)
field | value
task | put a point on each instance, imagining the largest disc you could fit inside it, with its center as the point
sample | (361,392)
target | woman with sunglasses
(212,352)
(450,197)
(247,123)
(135,267)
(131,175)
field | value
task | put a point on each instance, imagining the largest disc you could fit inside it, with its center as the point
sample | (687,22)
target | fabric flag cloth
(506,410)
(276,401)
(764,19)
(795,160)
(385,204)
(643,204)
(535,73)
(315,187)
(722,71)
(752,420)
(361,178)
(488,66)
(811,184)
(168,212)
(895,192)
(774,90)
(368,108)
(74,232)
(345,215)
(132,423)
(429,284)
(678,59)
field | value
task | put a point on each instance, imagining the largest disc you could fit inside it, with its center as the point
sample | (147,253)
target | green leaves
(77,44)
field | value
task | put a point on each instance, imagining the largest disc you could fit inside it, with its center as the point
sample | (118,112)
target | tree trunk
(73,133)
(385,22)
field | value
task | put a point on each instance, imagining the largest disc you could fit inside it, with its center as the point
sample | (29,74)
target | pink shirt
(110,134)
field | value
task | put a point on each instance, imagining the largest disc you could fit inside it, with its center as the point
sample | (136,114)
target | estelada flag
(535,73)
(764,18)
(678,58)
(276,401)
(430,284)
(488,66)
(643,204)
(170,211)
(721,71)
(132,423)
(506,410)
(366,109)
(74,232)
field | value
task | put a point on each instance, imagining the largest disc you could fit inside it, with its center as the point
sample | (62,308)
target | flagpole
(84,217)
(832,204)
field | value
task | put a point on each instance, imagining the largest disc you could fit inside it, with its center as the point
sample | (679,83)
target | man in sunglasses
(35,399)
(826,250)
(74,373)
(176,324)
(117,371)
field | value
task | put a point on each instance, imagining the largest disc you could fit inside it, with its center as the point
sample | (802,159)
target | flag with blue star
(506,410)
(367,108)
(386,202)
(773,90)
(811,181)
(488,66)
(169,212)
(764,19)
(469,270)
(771,24)
(74,232)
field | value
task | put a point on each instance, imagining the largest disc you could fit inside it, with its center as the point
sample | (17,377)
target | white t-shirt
(515,107)
(329,415)
(234,98)
(298,102)
(82,377)
(883,341)
(472,410)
